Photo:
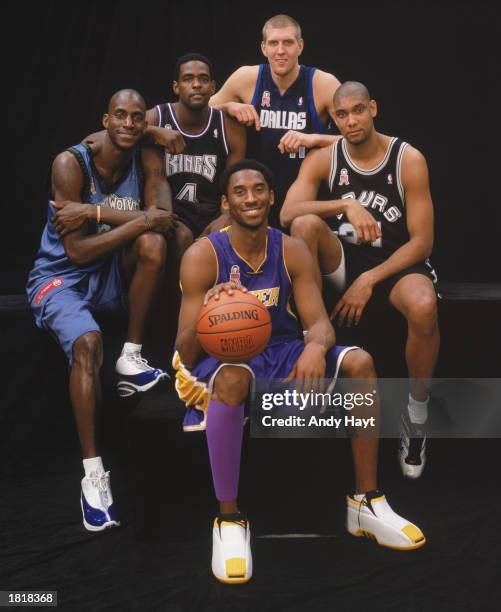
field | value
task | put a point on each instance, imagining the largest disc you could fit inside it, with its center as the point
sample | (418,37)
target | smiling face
(194,86)
(125,120)
(354,117)
(248,199)
(282,48)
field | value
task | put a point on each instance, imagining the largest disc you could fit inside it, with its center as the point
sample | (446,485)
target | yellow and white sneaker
(231,552)
(373,518)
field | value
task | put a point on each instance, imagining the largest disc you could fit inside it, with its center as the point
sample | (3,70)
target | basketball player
(211,142)
(382,207)
(289,104)
(273,266)
(83,267)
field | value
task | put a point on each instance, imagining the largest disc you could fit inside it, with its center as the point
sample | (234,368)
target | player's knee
(88,350)
(358,364)
(183,239)
(422,312)
(306,227)
(152,249)
(231,385)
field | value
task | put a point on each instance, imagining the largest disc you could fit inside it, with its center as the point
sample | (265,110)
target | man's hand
(171,140)
(309,369)
(228,288)
(363,222)
(162,221)
(245,114)
(291,141)
(69,216)
(350,307)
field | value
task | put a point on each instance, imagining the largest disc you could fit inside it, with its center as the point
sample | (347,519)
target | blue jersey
(278,114)
(270,282)
(53,271)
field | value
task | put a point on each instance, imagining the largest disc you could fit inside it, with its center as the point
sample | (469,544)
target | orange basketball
(234,328)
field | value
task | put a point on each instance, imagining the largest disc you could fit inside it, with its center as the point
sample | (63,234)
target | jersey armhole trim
(159,115)
(217,260)
(223,132)
(255,96)
(284,261)
(400,186)
(319,126)
(333,171)
(85,193)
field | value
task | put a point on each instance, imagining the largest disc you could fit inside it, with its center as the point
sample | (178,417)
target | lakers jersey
(294,110)
(270,282)
(379,189)
(194,175)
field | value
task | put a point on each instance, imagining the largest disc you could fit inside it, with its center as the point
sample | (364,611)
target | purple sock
(225,426)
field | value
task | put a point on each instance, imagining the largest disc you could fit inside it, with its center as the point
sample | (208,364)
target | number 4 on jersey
(188,193)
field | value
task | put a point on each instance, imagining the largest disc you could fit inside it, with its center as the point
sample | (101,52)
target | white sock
(359,497)
(418,411)
(94,464)
(130,347)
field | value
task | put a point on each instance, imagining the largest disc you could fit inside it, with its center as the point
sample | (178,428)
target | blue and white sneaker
(96,501)
(135,375)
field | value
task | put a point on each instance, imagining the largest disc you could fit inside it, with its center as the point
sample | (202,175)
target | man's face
(125,121)
(194,87)
(249,199)
(282,49)
(354,117)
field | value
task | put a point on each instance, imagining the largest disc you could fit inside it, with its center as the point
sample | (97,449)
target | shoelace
(141,362)
(100,480)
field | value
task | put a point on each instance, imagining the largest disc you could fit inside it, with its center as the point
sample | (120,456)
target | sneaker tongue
(370,495)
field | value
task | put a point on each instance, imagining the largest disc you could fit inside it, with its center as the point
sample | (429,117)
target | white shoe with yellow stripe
(373,518)
(231,552)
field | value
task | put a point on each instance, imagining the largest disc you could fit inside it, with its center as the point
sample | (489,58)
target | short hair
(244,164)
(282,21)
(351,88)
(192,57)
(130,93)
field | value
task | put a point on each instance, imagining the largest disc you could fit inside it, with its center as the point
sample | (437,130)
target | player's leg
(68,318)
(231,554)
(183,238)
(368,511)
(323,244)
(143,265)
(415,298)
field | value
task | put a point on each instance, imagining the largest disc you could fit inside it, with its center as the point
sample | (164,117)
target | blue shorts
(67,315)
(194,387)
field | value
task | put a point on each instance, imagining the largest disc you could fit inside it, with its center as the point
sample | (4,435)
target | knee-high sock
(225,425)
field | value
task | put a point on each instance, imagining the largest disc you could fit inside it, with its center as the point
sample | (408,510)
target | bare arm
(171,140)
(235,96)
(237,141)
(157,191)
(324,87)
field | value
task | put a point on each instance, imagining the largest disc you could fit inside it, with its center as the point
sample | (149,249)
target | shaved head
(351,88)
(123,95)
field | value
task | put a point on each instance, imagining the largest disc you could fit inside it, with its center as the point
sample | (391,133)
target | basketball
(234,328)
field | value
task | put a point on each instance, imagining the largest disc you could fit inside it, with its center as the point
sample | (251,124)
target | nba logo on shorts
(300,101)
(266,99)
(343,177)
(235,275)
(390,179)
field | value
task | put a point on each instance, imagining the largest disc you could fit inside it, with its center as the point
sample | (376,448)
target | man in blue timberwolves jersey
(290,105)
(382,209)
(83,266)
(200,141)
(249,256)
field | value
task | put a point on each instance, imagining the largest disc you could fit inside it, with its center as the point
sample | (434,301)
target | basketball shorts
(354,262)
(196,217)
(68,314)
(194,387)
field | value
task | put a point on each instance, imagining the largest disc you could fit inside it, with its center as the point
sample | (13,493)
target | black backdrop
(431,66)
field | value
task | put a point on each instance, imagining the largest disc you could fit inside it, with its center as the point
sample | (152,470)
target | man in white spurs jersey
(200,143)
(382,209)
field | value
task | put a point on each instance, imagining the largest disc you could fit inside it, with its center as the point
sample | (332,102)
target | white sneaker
(96,502)
(135,375)
(411,448)
(231,552)
(374,518)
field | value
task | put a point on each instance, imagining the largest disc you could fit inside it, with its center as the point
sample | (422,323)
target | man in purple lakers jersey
(102,244)
(289,104)
(274,267)
(382,209)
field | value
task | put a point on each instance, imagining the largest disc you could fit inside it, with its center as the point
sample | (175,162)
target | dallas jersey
(278,114)
(52,271)
(194,175)
(379,189)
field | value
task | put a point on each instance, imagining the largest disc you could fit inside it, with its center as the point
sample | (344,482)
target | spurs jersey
(380,190)
(278,114)
(194,175)
(53,271)
(270,282)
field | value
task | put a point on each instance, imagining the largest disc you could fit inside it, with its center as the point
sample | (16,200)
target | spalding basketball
(234,328)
